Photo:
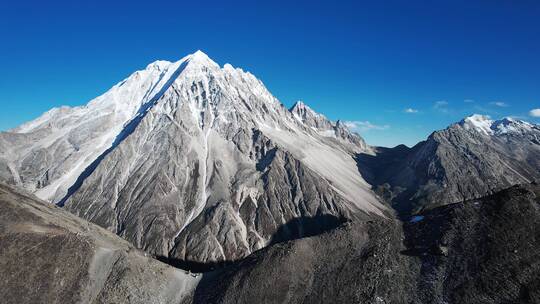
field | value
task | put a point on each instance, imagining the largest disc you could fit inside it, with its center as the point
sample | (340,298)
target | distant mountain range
(200,166)
(469,159)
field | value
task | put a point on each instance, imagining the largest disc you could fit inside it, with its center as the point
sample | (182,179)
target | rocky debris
(356,263)
(483,251)
(480,251)
(48,255)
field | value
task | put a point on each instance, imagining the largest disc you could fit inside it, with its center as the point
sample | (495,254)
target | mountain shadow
(302,227)
(292,230)
(478,251)
(193,266)
(390,177)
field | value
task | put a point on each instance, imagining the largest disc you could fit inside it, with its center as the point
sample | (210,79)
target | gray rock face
(481,251)
(45,156)
(208,167)
(199,164)
(469,159)
(48,255)
(322,125)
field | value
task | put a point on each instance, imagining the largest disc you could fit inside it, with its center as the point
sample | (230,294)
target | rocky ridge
(470,159)
(48,255)
(190,161)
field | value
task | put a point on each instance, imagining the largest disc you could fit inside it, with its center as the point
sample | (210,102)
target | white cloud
(410,110)
(468,100)
(534,112)
(441,103)
(364,126)
(499,104)
(441,106)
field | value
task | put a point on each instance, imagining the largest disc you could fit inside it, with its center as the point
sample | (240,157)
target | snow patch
(480,123)
(485,125)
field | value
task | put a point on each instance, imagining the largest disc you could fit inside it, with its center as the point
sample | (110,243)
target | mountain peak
(478,122)
(199,53)
(299,105)
(158,65)
(199,58)
(485,125)
(511,125)
(477,118)
(302,111)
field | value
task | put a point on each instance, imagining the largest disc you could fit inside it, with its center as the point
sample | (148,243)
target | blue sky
(362,62)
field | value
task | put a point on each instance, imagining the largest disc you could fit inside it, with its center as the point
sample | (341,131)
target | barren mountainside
(480,251)
(469,159)
(49,255)
(191,161)
(197,165)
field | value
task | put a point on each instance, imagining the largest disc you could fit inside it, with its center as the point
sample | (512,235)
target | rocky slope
(191,161)
(47,155)
(322,125)
(480,251)
(469,159)
(48,255)
(199,165)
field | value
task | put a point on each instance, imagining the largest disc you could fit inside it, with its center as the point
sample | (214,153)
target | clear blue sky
(360,62)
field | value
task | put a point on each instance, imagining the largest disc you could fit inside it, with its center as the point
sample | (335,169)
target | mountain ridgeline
(479,251)
(470,159)
(193,162)
(198,165)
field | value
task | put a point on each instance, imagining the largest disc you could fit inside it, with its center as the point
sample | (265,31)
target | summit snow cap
(201,58)
(485,125)
(480,123)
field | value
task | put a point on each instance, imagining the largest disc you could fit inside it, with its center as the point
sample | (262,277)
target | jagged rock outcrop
(480,251)
(469,159)
(48,255)
(200,164)
(322,125)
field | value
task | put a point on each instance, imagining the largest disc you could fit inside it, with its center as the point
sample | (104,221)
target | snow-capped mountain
(191,161)
(469,159)
(485,125)
(199,164)
(48,154)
